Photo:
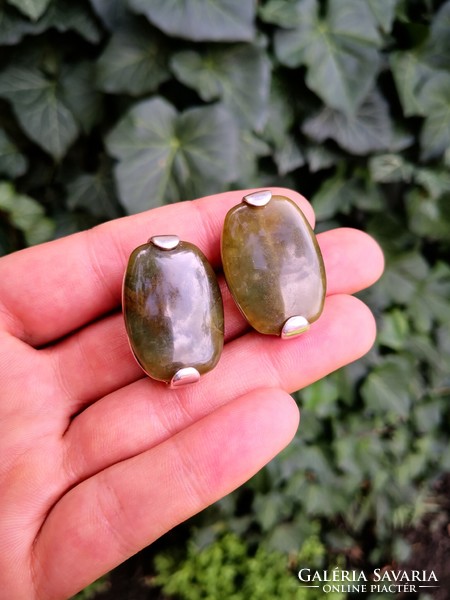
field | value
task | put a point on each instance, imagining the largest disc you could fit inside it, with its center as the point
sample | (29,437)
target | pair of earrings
(172,303)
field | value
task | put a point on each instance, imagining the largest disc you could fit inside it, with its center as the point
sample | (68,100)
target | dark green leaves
(384,12)
(167,156)
(392,388)
(201,20)
(39,16)
(43,115)
(25,214)
(134,62)
(65,15)
(33,9)
(76,90)
(239,75)
(422,77)
(12,27)
(113,14)
(339,51)
(435,98)
(93,192)
(368,129)
(410,73)
(12,162)
(286,13)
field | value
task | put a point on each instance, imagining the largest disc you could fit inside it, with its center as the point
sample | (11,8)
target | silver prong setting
(258,198)
(294,326)
(165,242)
(184,377)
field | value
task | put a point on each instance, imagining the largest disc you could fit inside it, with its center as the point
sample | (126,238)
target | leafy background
(111,107)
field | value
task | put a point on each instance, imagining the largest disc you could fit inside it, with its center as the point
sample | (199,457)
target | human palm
(97,460)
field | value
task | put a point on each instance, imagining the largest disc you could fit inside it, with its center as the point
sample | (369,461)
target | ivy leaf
(391,388)
(40,111)
(77,91)
(289,156)
(239,75)
(402,278)
(437,48)
(167,156)
(321,398)
(390,168)
(33,9)
(134,62)
(25,214)
(339,51)
(436,182)
(320,157)
(12,162)
(394,329)
(12,27)
(65,15)
(113,14)
(429,217)
(410,74)
(281,115)
(336,195)
(251,148)
(384,13)
(270,509)
(201,20)
(285,13)
(93,192)
(435,134)
(366,130)
(430,303)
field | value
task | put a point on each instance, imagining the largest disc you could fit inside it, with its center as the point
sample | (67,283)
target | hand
(97,460)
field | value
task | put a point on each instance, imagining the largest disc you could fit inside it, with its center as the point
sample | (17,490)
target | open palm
(97,460)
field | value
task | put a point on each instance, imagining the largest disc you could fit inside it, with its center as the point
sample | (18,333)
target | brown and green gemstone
(272,263)
(173,310)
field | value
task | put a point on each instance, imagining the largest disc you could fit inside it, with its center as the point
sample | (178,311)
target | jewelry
(173,310)
(273,265)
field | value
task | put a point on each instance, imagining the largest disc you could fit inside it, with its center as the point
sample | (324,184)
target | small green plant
(92,590)
(227,569)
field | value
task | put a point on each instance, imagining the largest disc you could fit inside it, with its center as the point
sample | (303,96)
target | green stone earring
(273,265)
(173,310)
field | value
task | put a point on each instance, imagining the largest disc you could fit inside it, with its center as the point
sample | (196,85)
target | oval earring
(173,310)
(273,265)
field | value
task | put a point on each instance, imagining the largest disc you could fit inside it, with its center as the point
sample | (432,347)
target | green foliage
(25,215)
(162,152)
(113,107)
(227,569)
(339,51)
(93,590)
(201,20)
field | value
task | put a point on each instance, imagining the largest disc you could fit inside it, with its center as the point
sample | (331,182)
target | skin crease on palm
(97,460)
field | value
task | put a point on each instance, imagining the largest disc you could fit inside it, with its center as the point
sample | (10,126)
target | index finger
(50,290)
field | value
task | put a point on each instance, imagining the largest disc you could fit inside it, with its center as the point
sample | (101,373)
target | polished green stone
(173,310)
(272,264)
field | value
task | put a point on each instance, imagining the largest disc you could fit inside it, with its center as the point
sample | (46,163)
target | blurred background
(111,107)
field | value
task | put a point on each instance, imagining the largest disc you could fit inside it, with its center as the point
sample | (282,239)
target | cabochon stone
(272,264)
(173,310)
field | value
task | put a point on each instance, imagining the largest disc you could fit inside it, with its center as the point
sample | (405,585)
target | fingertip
(369,326)
(363,323)
(282,411)
(370,250)
(353,259)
